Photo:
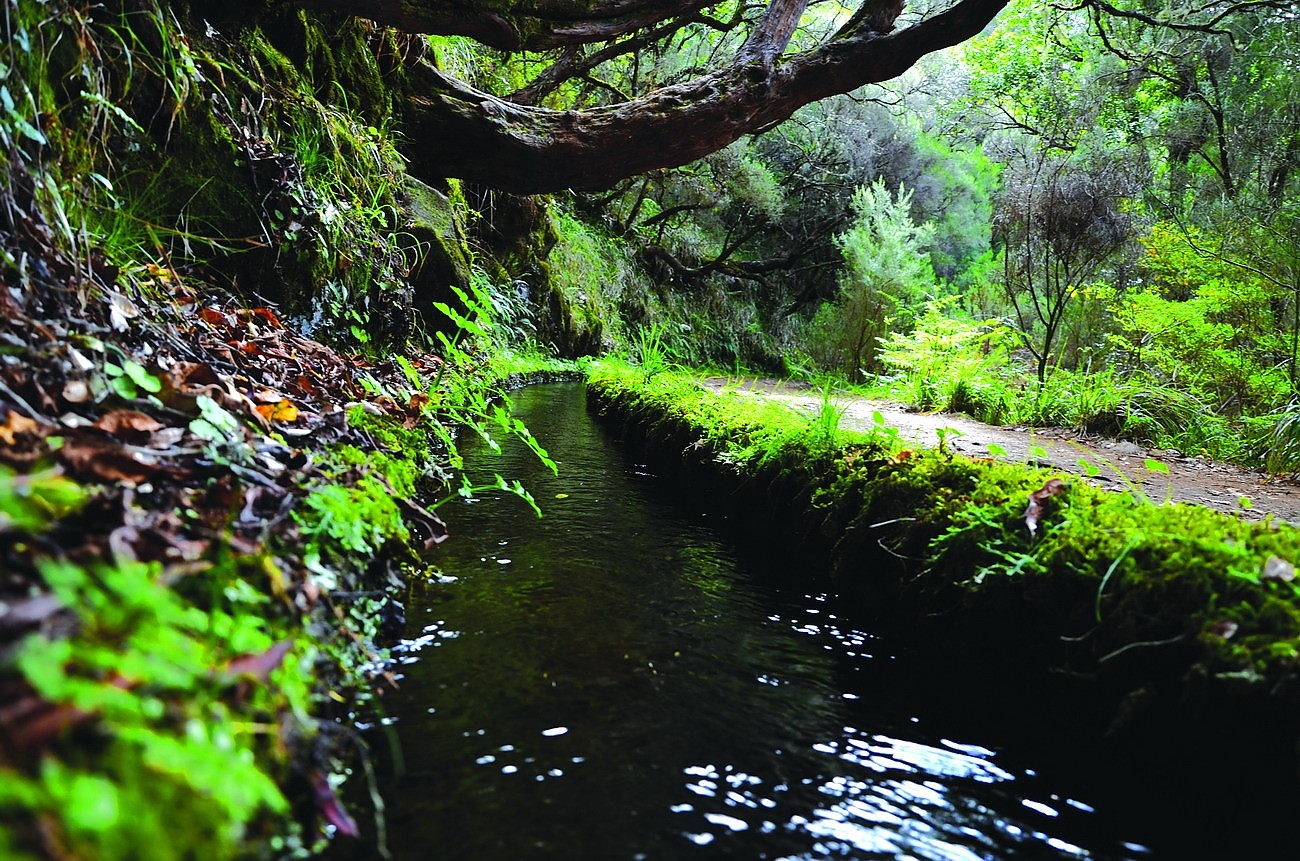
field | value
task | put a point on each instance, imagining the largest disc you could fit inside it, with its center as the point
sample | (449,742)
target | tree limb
(463,132)
(524,25)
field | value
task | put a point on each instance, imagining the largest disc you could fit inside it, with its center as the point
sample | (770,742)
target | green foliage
(951,363)
(824,425)
(649,352)
(591,274)
(186,752)
(464,394)
(358,519)
(1205,326)
(1281,441)
(962,183)
(1101,573)
(30,502)
(887,275)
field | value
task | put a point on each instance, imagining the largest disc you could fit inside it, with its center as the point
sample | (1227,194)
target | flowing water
(625,678)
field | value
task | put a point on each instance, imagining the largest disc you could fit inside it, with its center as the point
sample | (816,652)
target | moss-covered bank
(223,421)
(1165,632)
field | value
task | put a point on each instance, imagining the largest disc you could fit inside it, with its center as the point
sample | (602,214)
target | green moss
(1109,584)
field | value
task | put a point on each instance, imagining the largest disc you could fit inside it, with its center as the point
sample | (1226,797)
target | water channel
(626,679)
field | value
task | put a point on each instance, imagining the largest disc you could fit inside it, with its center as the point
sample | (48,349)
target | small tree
(1057,222)
(886,275)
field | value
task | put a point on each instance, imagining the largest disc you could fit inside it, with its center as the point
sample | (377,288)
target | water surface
(625,678)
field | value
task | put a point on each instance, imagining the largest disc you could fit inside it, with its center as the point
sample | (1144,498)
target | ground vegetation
(262,263)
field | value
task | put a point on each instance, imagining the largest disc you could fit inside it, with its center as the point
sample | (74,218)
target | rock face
(439,246)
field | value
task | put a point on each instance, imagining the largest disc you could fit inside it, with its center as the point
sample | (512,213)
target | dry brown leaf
(185,375)
(268,316)
(17,429)
(22,440)
(1034,511)
(105,461)
(213,317)
(130,425)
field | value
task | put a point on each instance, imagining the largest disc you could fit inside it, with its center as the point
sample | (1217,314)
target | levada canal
(632,677)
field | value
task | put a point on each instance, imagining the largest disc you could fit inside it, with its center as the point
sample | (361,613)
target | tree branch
(463,132)
(524,25)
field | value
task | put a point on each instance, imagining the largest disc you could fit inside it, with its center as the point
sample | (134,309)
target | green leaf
(123,387)
(88,802)
(1156,465)
(142,377)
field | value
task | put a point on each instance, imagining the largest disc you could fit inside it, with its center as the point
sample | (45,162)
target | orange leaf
(213,317)
(268,315)
(284,411)
(17,426)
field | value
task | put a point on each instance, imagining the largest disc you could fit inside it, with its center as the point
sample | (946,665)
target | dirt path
(1121,464)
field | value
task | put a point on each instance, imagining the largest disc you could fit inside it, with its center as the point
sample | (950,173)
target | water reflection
(618,680)
(886,797)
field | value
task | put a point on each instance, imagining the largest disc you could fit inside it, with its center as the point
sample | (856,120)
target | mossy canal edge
(1161,636)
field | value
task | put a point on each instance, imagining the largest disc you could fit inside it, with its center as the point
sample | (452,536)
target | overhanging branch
(459,131)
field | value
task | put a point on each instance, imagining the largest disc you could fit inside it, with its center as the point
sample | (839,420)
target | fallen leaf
(104,461)
(264,395)
(166,437)
(18,428)
(79,361)
(284,411)
(268,315)
(261,665)
(330,807)
(1034,511)
(22,441)
(120,310)
(164,275)
(213,317)
(188,374)
(130,425)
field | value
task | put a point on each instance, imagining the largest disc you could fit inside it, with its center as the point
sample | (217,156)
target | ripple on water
(613,677)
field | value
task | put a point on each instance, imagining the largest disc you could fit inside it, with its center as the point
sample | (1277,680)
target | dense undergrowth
(954,364)
(206,514)
(1161,617)
(238,342)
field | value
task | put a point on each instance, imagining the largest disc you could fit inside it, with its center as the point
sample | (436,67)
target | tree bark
(458,131)
(516,25)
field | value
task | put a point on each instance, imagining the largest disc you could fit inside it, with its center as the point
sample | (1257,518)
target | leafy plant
(824,426)
(886,277)
(649,352)
(179,769)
